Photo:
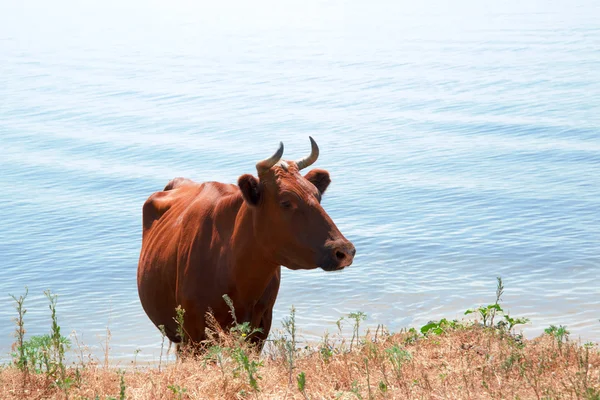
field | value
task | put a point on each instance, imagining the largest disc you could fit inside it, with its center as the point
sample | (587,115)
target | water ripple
(462,144)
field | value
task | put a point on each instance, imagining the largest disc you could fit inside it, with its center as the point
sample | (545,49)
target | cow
(201,241)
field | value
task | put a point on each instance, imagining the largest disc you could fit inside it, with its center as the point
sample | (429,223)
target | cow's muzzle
(337,254)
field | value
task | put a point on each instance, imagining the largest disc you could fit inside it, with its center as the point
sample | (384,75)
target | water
(462,141)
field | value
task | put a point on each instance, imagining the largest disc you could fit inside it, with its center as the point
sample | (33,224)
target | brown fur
(204,240)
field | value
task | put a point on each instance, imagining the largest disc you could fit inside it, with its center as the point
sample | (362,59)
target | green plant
(511,322)
(592,394)
(249,366)
(229,303)
(513,359)
(438,327)
(289,325)
(21,359)
(177,390)
(357,317)
(179,320)
(301,381)
(38,353)
(487,313)
(583,375)
(122,386)
(398,357)
(326,349)
(59,345)
(560,334)
(382,387)
(242,331)
(215,353)
(78,377)
(366,359)
(411,336)
(339,324)
(354,389)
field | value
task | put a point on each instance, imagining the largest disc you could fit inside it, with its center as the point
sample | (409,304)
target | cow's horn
(314,154)
(267,163)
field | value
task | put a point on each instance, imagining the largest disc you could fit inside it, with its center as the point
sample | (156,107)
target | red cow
(204,240)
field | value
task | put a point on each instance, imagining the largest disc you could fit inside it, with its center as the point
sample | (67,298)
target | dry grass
(465,362)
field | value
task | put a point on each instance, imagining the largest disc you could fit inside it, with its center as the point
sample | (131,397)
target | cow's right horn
(267,163)
(314,154)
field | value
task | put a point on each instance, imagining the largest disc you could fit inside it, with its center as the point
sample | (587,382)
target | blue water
(463,142)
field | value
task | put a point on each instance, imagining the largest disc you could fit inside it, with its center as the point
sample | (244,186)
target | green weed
(59,345)
(301,381)
(122,386)
(250,367)
(398,357)
(243,331)
(289,325)
(357,317)
(325,348)
(21,358)
(488,313)
(383,388)
(179,320)
(177,390)
(355,390)
(438,327)
(560,334)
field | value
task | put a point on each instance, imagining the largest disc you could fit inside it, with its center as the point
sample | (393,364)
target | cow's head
(289,222)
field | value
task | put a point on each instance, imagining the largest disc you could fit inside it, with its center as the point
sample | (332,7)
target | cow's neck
(252,269)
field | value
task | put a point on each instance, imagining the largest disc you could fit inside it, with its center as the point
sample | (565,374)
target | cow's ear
(319,178)
(251,189)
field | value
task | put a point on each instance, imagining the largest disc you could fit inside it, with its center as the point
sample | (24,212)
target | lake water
(463,143)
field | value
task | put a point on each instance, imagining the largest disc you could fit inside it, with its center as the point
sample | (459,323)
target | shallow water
(462,141)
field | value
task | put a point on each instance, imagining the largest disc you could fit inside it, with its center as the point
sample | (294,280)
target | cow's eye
(286,204)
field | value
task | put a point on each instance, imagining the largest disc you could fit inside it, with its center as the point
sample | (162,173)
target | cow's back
(178,244)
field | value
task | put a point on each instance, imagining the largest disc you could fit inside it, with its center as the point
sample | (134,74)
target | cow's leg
(263,312)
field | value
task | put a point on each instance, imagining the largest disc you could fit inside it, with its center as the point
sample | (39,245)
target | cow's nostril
(340,255)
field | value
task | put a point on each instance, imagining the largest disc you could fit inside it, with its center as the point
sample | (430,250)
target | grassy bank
(476,359)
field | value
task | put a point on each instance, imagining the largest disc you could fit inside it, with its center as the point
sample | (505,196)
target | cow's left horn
(267,163)
(310,160)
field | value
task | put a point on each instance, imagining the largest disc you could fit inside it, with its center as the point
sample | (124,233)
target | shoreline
(480,357)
